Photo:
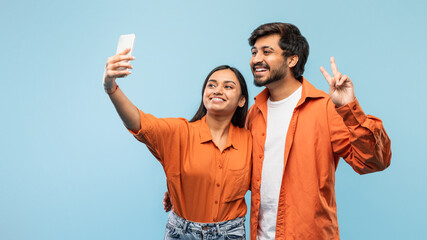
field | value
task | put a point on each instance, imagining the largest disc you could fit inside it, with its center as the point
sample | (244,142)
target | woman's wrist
(111,88)
(107,81)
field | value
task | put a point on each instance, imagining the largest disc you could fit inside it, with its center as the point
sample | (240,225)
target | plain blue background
(70,170)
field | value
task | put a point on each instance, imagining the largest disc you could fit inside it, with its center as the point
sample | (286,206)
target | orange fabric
(204,184)
(319,134)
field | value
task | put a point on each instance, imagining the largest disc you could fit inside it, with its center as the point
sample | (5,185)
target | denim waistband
(218,227)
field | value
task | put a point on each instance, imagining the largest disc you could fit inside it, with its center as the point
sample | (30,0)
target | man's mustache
(263,65)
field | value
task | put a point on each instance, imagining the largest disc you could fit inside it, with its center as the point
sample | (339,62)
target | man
(299,134)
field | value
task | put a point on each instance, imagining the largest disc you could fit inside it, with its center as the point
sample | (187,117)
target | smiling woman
(207,161)
(230,76)
(222,96)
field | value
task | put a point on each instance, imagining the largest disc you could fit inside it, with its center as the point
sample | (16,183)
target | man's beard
(275,75)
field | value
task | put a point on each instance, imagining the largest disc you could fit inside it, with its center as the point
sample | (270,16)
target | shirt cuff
(352,113)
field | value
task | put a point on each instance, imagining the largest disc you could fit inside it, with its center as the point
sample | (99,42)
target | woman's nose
(218,91)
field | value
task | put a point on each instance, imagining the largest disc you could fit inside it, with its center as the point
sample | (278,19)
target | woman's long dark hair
(239,116)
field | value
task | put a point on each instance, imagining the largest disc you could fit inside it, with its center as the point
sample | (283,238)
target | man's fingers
(168,208)
(167,205)
(334,66)
(344,79)
(326,75)
(337,77)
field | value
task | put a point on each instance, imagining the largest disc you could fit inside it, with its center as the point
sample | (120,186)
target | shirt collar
(206,136)
(308,91)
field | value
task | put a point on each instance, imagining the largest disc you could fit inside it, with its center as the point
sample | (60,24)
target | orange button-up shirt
(318,135)
(204,184)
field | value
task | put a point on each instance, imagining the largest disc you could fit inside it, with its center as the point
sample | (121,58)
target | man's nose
(257,58)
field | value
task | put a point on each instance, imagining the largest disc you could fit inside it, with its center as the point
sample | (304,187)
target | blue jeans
(179,228)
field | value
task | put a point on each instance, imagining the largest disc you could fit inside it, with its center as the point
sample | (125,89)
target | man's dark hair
(291,42)
(239,116)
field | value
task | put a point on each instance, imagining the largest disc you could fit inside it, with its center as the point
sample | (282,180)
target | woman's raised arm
(117,67)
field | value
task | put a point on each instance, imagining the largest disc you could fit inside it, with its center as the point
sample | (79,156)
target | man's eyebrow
(267,47)
(263,47)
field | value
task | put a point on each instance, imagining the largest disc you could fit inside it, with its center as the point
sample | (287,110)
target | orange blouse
(204,184)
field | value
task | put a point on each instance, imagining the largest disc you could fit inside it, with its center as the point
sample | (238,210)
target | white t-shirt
(279,115)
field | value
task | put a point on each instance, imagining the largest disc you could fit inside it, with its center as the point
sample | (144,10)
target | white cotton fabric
(279,115)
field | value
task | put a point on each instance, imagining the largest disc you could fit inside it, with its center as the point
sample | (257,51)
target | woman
(207,161)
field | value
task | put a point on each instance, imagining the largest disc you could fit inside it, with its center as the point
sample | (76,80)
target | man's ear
(292,61)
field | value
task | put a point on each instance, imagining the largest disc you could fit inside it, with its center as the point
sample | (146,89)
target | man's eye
(267,52)
(253,53)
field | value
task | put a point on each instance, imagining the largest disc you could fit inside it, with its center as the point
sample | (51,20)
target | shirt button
(263,134)
(354,107)
(216,202)
(260,156)
(217,184)
(220,166)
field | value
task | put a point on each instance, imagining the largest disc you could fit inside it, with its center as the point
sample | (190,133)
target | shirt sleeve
(161,134)
(358,138)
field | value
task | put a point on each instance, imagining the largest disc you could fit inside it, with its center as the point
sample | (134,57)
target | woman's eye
(210,85)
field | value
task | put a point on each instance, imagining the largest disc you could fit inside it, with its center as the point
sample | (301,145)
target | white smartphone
(125,41)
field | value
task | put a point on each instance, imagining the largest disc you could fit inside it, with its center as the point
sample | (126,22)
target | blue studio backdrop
(70,170)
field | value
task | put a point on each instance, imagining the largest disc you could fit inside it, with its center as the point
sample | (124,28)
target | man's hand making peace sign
(341,88)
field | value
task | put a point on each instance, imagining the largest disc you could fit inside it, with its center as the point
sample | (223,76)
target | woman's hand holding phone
(118,65)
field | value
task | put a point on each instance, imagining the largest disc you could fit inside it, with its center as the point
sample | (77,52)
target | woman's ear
(242,101)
